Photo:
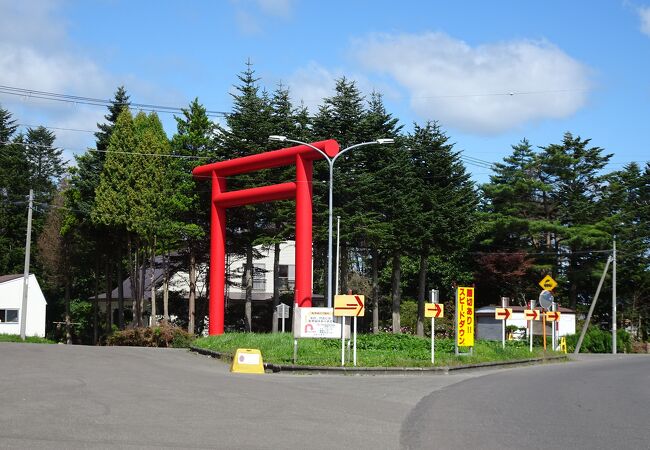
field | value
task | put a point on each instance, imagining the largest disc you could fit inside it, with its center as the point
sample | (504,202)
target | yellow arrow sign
(552,316)
(531,314)
(548,283)
(434,310)
(349,305)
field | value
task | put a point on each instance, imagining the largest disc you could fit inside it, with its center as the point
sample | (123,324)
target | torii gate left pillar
(301,189)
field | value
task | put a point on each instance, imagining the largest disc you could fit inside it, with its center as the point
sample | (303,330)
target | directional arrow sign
(531,314)
(552,316)
(502,313)
(434,310)
(349,305)
(548,283)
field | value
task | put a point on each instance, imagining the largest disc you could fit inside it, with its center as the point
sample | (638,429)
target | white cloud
(312,83)
(36,54)
(279,8)
(644,15)
(467,87)
(247,23)
(250,14)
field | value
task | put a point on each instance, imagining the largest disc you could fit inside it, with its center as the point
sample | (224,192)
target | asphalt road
(56,396)
(597,402)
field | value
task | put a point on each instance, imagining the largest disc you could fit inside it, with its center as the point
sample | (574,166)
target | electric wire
(77,99)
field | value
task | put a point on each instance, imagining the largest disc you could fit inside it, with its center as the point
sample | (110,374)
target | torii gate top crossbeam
(267,160)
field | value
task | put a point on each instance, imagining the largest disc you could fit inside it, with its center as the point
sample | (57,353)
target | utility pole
(614,297)
(23,309)
(591,308)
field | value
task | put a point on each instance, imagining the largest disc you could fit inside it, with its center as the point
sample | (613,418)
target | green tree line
(412,219)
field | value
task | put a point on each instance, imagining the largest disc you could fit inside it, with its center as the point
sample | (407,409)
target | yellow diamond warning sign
(548,283)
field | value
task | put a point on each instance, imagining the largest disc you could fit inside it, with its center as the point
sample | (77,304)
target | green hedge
(598,340)
(159,336)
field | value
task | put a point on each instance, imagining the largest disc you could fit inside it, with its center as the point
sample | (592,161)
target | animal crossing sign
(548,283)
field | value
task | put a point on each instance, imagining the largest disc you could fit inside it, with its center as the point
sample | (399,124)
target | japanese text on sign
(465,324)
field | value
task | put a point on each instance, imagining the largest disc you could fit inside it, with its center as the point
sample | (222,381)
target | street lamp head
(383,141)
(277,138)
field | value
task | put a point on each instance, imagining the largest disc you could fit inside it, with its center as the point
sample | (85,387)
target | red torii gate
(301,189)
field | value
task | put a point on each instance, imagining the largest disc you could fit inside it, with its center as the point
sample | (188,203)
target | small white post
(354,347)
(342,341)
(433,341)
(338,251)
(504,304)
(614,337)
(434,299)
(553,328)
(532,325)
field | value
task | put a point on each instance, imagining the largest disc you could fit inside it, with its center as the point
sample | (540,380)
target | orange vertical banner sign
(465,325)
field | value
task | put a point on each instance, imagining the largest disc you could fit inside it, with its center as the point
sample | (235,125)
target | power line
(76,99)
(25,125)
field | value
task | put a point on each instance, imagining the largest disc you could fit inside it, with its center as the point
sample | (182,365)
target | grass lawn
(373,350)
(30,339)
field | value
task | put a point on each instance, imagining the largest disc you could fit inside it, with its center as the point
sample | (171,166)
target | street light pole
(331,162)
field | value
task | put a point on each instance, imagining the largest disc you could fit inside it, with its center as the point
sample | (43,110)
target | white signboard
(317,323)
(283,311)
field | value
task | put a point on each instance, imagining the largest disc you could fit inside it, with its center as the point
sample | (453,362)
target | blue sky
(491,73)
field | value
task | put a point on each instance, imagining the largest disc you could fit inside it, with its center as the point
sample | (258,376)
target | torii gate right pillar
(302,292)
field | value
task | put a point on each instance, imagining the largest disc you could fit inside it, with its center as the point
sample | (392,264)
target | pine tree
(340,117)
(45,163)
(293,123)
(574,170)
(194,143)
(444,219)
(14,189)
(371,230)
(628,203)
(248,128)
(98,244)
(110,209)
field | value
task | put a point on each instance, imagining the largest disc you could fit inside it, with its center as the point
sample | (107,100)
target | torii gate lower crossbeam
(302,156)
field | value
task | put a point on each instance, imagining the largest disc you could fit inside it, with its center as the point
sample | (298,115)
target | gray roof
(5,278)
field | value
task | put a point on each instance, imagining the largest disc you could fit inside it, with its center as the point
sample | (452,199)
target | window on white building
(287,276)
(259,277)
(9,315)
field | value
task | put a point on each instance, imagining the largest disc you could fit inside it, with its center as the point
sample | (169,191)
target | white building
(11,299)
(263,272)
(490,328)
(235,291)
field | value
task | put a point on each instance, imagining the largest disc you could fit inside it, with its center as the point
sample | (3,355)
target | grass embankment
(30,339)
(373,350)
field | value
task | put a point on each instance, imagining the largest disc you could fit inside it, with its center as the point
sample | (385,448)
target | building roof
(5,278)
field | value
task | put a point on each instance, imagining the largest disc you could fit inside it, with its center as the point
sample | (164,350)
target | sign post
(283,313)
(546,302)
(433,310)
(503,314)
(553,317)
(531,315)
(464,319)
(349,306)
(315,323)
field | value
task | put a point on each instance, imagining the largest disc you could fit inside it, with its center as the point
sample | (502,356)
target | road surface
(56,396)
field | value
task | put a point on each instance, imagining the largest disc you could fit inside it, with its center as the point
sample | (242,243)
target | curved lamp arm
(277,138)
